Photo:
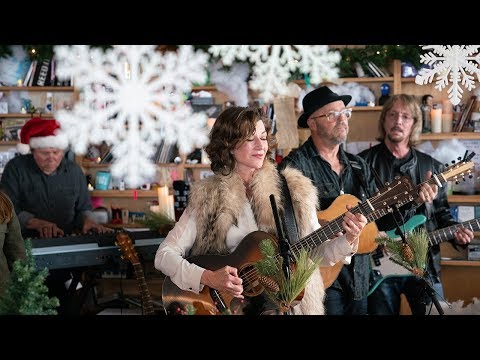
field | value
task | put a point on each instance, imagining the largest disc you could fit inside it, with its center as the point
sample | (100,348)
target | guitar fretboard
(147,303)
(441,235)
(373,209)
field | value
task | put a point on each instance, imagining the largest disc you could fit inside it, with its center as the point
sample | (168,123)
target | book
(42,75)
(466,113)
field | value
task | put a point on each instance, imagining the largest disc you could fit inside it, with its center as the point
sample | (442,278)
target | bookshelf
(63,96)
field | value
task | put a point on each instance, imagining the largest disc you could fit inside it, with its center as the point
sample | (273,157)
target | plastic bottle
(49,103)
(121,187)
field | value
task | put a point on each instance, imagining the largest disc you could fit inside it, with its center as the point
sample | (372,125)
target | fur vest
(219,200)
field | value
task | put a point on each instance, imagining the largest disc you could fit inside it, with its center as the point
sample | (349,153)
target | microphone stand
(283,242)
(431,292)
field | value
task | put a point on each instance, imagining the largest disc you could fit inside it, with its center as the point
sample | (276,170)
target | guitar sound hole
(251,285)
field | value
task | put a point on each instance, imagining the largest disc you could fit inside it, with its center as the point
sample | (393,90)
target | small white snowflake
(273,64)
(452,65)
(132,97)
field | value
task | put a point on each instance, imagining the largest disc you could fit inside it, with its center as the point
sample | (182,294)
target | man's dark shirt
(353,277)
(61,198)
(414,165)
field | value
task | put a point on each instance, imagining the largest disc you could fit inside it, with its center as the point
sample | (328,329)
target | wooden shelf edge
(367,108)
(37,88)
(464,199)
(460,263)
(302,82)
(204,88)
(453,135)
(7,143)
(25,116)
(94,165)
(124,193)
(197,166)
(350,79)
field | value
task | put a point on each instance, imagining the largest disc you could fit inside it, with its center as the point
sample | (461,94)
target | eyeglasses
(394,115)
(335,115)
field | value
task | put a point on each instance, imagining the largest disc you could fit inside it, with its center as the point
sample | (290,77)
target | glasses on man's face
(393,115)
(335,115)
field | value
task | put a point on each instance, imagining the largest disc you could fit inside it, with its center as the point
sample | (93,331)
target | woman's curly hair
(231,129)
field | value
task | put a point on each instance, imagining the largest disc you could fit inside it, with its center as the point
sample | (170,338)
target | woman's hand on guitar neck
(353,225)
(225,279)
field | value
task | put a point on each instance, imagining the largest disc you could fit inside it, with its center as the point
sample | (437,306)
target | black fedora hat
(316,99)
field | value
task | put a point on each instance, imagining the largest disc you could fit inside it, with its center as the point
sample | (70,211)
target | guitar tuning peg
(446,165)
(459,158)
(456,182)
(470,176)
(453,161)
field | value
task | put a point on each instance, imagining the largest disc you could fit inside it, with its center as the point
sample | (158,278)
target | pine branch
(288,289)
(26,293)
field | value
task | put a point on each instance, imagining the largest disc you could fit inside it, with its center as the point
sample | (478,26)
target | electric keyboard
(89,250)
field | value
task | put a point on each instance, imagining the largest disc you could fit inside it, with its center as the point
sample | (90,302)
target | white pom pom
(23,148)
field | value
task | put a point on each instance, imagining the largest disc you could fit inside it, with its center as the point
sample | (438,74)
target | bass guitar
(128,252)
(387,268)
(212,302)
(367,237)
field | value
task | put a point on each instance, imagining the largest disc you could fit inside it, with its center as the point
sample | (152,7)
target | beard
(337,135)
(397,137)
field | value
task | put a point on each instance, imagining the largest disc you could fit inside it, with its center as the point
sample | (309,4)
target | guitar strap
(289,214)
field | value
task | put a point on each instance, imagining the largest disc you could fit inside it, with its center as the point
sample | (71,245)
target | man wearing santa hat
(49,192)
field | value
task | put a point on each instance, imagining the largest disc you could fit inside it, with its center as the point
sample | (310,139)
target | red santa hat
(41,133)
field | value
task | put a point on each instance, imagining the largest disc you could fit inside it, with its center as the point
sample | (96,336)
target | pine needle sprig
(288,288)
(268,266)
(412,255)
(26,292)
(157,221)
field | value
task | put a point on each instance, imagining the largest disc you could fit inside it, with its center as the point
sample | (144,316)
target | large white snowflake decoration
(272,64)
(452,64)
(132,97)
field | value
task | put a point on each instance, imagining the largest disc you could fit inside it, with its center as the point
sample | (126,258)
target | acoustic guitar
(212,302)
(367,237)
(129,253)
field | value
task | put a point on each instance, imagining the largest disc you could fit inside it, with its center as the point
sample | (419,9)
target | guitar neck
(441,235)
(332,228)
(147,303)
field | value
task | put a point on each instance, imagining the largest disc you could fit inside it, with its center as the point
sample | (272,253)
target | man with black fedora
(335,172)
